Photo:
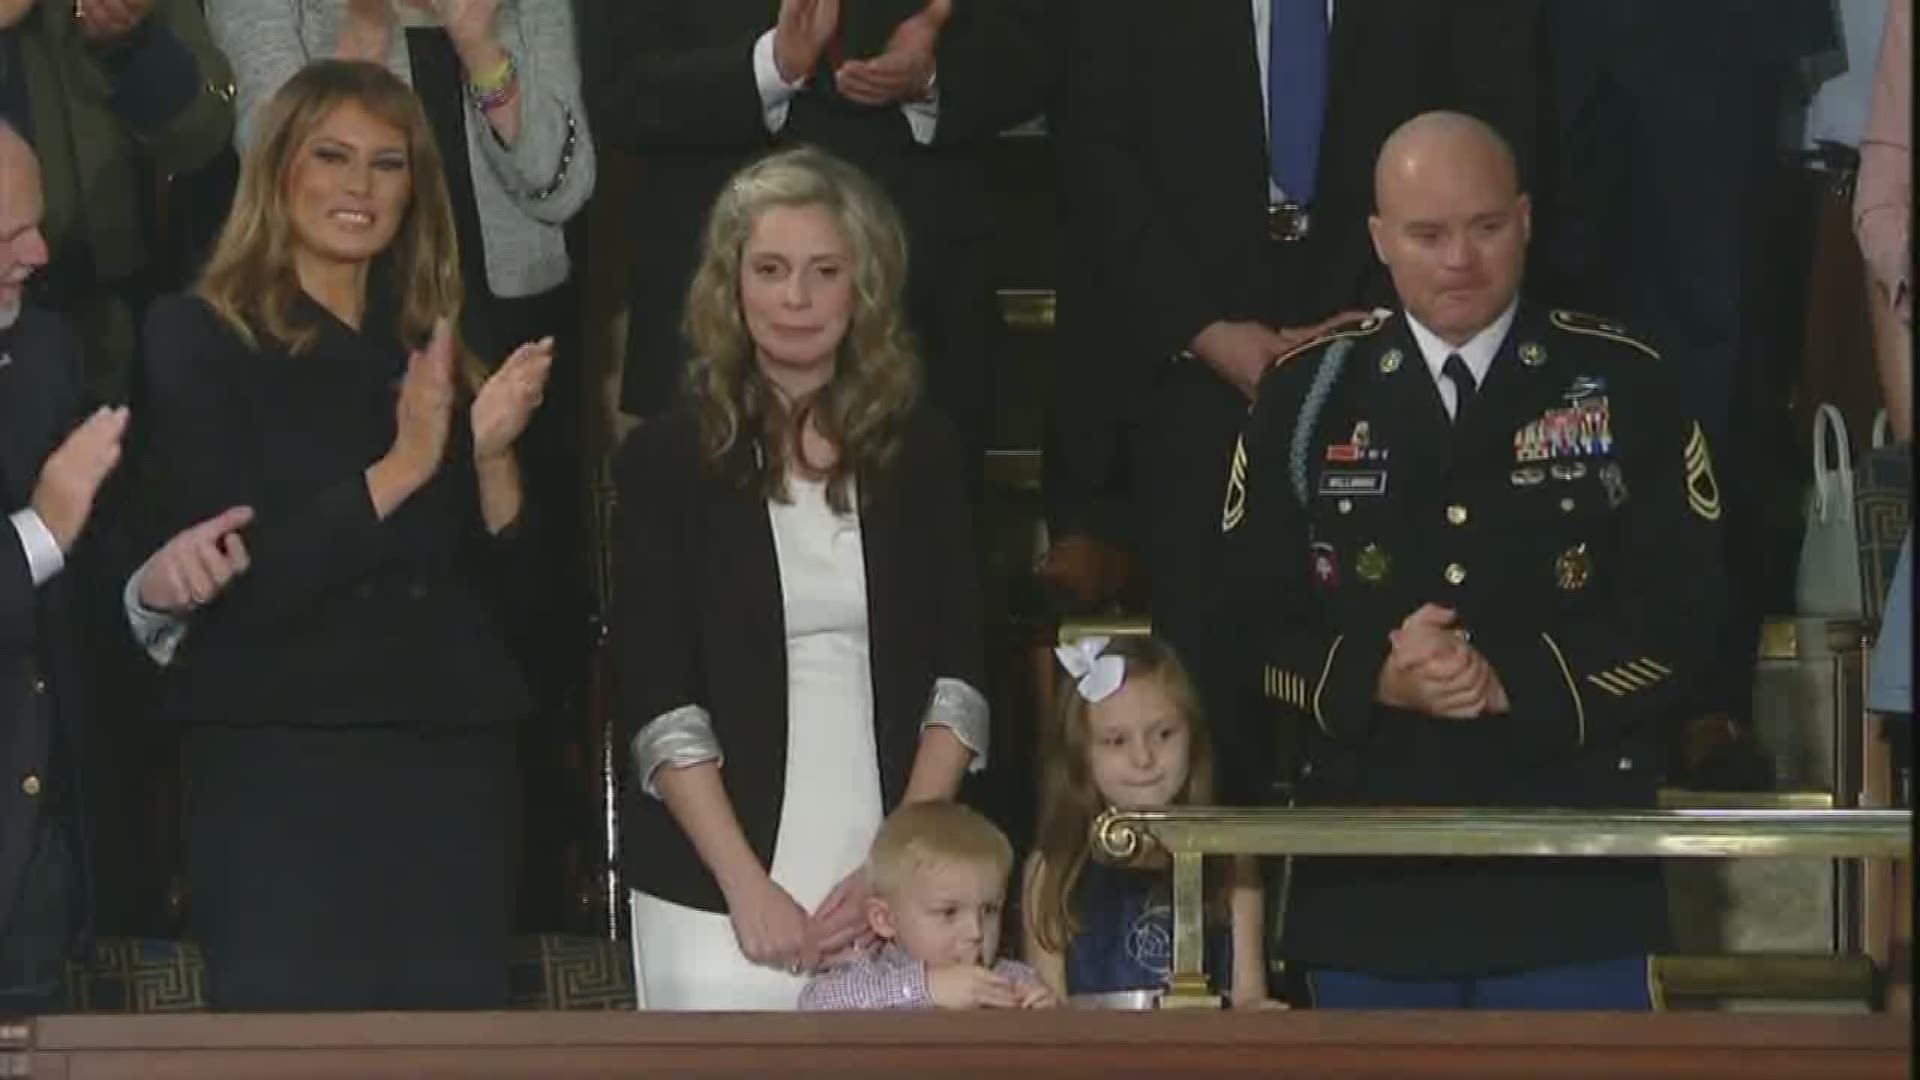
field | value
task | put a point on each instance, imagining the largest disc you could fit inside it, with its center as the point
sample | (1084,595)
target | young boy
(937,877)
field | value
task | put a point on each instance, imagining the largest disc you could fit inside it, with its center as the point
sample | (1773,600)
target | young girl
(1127,732)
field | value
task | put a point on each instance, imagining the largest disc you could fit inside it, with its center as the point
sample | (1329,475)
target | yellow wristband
(493,81)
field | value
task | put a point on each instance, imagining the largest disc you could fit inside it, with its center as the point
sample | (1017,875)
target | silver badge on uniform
(1615,482)
(1585,386)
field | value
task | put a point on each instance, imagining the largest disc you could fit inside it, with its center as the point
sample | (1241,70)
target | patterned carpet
(546,971)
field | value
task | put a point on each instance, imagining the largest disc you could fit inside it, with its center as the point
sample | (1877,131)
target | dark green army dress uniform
(1569,516)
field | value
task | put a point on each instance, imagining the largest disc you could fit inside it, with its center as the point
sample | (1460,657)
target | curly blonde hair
(876,375)
(250,280)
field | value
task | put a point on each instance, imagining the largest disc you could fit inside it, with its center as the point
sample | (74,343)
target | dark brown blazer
(699,621)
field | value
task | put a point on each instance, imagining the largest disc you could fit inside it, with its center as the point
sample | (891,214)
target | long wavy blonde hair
(249,279)
(1069,799)
(876,376)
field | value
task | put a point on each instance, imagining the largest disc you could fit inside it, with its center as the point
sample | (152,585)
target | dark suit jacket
(343,619)
(698,621)
(673,80)
(1163,143)
(40,684)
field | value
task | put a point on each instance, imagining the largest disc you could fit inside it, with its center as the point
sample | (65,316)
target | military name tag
(1353,482)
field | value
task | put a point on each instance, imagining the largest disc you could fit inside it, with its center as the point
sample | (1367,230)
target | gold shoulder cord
(1575,322)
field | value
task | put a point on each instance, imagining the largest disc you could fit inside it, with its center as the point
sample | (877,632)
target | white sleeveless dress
(685,958)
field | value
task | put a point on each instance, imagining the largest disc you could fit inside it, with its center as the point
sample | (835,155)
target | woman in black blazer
(798,631)
(339,673)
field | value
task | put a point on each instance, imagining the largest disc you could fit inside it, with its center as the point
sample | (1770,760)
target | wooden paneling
(1065,1043)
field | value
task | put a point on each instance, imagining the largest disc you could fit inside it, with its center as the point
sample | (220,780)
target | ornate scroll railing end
(1119,835)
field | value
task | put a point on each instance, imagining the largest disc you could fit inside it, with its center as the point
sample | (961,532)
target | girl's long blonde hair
(1069,800)
(876,376)
(249,279)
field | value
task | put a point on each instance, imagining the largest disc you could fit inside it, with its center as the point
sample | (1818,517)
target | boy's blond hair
(923,836)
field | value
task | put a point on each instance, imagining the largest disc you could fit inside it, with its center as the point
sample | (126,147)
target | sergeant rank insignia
(1703,491)
(1234,509)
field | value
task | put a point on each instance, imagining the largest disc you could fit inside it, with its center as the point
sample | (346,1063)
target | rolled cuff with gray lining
(962,710)
(677,739)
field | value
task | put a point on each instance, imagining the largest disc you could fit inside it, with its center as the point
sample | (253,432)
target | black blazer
(673,80)
(40,683)
(343,619)
(698,621)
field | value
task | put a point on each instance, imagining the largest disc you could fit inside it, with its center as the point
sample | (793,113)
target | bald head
(22,250)
(1443,140)
(1451,222)
(14,149)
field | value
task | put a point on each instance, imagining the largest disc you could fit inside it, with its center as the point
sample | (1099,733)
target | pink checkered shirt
(887,978)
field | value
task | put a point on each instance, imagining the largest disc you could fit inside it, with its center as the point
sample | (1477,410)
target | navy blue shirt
(1125,940)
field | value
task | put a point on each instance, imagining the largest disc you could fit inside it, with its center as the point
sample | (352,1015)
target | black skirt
(349,869)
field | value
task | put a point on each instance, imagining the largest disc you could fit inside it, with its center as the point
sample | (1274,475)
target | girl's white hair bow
(1097,676)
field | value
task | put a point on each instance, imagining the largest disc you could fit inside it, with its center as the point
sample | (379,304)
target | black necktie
(1455,369)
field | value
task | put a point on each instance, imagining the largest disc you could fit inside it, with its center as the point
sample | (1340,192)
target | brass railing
(1190,834)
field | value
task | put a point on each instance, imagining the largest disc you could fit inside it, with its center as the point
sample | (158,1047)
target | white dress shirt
(1478,352)
(1262,18)
(44,557)
(776,94)
(158,632)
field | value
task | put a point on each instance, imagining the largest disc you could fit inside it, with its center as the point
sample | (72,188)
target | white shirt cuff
(158,632)
(44,557)
(924,116)
(775,93)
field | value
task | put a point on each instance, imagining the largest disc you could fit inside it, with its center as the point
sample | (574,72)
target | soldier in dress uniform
(1480,546)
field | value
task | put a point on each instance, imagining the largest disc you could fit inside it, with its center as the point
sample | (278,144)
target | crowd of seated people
(1419,528)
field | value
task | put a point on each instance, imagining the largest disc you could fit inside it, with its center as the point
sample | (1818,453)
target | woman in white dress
(799,642)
